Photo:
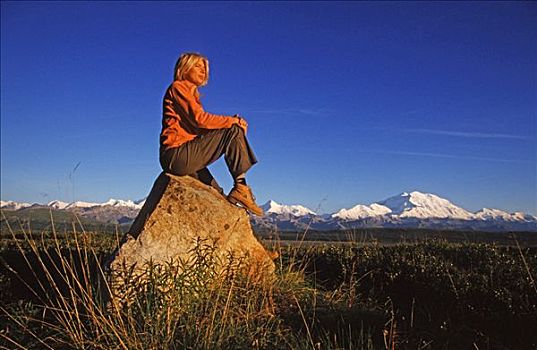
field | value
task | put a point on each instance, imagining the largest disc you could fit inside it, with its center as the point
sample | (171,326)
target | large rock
(181,212)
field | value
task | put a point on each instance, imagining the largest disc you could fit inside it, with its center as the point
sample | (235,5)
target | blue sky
(347,102)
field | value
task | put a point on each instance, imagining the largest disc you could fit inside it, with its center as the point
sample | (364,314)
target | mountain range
(409,210)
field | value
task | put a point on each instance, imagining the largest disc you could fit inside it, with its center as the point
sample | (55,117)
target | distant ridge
(407,209)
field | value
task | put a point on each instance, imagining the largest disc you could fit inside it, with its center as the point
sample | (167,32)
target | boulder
(179,213)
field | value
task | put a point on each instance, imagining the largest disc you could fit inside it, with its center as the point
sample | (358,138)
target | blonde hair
(187,61)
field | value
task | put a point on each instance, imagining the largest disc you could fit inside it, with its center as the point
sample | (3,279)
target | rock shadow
(158,189)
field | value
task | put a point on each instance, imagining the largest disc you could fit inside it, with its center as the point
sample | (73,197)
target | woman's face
(196,75)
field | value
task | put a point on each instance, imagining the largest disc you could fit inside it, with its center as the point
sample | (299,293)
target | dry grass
(193,305)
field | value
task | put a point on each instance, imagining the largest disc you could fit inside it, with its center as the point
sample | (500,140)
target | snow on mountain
(523,216)
(414,209)
(60,205)
(13,205)
(271,207)
(80,204)
(491,214)
(57,204)
(362,211)
(496,214)
(424,205)
(121,203)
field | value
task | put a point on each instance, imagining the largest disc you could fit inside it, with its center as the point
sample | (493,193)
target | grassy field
(377,290)
(389,236)
(40,219)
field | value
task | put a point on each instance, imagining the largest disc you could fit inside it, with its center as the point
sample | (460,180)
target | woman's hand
(241,123)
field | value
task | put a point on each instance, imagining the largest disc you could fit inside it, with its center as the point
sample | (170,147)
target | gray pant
(193,157)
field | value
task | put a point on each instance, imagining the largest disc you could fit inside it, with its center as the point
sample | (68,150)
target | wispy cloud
(453,156)
(466,134)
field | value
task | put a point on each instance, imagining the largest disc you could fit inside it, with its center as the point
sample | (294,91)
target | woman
(191,138)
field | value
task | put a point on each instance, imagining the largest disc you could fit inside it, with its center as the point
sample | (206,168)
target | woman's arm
(200,118)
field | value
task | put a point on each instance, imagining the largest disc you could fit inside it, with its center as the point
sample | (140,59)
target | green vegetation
(425,295)
(388,236)
(39,220)
(451,295)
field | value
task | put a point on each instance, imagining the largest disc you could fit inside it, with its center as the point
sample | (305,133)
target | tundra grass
(427,295)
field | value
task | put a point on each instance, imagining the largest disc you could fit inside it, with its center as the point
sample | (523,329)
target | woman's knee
(236,130)
(236,133)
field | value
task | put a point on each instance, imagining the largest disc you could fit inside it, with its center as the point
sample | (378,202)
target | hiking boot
(242,194)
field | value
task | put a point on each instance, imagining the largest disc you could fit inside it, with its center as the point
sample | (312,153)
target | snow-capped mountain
(57,204)
(407,209)
(361,211)
(492,214)
(424,205)
(520,216)
(271,207)
(80,204)
(13,205)
(495,214)
(122,203)
(111,211)
(284,217)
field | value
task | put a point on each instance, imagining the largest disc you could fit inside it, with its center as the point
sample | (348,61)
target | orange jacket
(183,117)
